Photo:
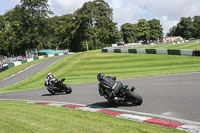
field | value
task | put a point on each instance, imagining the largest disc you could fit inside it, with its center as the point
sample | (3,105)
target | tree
(2,23)
(156,30)
(28,26)
(172,31)
(3,37)
(196,24)
(185,28)
(34,21)
(96,23)
(62,31)
(129,33)
(143,30)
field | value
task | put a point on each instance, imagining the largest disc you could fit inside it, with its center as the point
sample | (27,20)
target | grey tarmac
(29,72)
(174,96)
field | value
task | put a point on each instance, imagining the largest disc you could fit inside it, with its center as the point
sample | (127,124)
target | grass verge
(23,117)
(14,70)
(192,46)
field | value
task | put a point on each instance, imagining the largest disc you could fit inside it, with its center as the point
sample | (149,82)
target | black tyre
(135,98)
(68,89)
(51,91)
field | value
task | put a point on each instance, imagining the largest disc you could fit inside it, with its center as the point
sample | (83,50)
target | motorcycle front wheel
(135,98)
(68,89)
(51,91)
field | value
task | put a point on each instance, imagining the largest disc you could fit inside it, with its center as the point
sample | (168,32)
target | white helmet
(49,73)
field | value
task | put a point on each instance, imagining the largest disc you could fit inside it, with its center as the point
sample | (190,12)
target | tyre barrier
(17,63)
(154,51)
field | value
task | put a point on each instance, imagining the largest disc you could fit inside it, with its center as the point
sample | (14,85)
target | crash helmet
(49,73)
(100,76)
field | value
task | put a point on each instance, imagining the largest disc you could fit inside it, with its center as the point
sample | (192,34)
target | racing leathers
(51,80)
(109,87)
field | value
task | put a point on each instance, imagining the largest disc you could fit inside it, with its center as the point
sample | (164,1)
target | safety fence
(154,51)
(17,63)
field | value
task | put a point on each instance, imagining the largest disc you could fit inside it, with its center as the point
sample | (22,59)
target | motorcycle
(125,95)
(59,87)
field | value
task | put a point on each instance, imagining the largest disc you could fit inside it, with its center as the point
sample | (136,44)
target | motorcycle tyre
(68,89)
(135,98)
(51,91)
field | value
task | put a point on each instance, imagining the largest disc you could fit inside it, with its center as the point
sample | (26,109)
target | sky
(168,12)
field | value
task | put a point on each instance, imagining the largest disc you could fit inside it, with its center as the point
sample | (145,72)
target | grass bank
(83,68)
(192,46)
(14,70)
(21,117)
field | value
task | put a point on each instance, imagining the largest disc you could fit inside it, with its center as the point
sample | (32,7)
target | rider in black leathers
(108,83)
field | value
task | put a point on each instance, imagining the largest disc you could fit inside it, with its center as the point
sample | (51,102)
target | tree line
(144,31)
(31,24)
(187,28)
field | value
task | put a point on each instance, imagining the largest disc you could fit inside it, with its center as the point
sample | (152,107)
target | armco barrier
(154,51)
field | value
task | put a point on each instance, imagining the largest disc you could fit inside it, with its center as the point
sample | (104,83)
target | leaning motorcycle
(126,95)
(59,87)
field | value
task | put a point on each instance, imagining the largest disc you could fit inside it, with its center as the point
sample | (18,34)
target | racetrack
(176,96)
(28,72)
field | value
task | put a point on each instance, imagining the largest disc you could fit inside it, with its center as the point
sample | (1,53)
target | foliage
(62,33)
(187,28)
(156,30)
(129,32)
(196,25)
(142,31)
(29,26)
(96,23)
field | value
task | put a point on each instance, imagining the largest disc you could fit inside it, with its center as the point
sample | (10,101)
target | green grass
(175,46)
(14,70)
(21,117)
(83,68)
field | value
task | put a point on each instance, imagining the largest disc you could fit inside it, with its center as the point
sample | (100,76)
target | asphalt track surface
(29,72)
(174,96)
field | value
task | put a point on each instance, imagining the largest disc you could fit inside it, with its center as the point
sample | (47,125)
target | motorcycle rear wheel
(135,98)
(68,89)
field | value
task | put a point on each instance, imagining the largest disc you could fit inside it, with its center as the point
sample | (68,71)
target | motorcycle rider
(51,80)
(109,83)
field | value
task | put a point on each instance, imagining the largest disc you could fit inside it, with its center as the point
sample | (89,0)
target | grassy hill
(194,45)
(83,68)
